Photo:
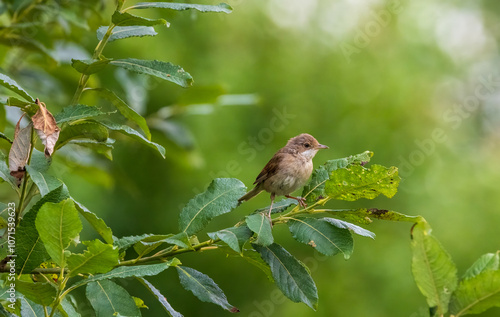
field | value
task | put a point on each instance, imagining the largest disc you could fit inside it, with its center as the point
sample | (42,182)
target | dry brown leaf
(20,151)
(46,127)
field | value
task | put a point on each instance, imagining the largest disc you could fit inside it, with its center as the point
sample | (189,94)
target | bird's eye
(307,145)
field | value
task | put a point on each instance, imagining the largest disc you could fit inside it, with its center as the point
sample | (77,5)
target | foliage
(47,220)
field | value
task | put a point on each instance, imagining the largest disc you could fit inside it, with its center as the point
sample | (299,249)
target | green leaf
(180,239)
(77,112)
(290,275)
(235,237)
(222,7)
(260,224)
(3,122)
(97,223)
(124,243)
(347,225)
(12,85)
(487,262)
(251,256)
(124,109)
(433,269)
(279,206)
(133,134)
(364,215)
(162,299)
(355,182)
(30,309)
(220,197)
(90,66)
(203,287)
(40,293)
(45,182)
(85,130)
(127,19)
(104,148)
(98,258)
(123,32)
(149,243)
(163,70)
(315,189)
(322,235)
(58,224)
(26,106)
(68,307)
(29,247)
(476,294)
(129,271)
(109,299)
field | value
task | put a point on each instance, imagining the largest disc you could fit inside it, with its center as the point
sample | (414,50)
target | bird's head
(306,145)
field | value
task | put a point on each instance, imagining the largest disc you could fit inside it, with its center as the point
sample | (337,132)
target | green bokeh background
(404,79)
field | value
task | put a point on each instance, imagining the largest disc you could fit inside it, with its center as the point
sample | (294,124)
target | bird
(288,170)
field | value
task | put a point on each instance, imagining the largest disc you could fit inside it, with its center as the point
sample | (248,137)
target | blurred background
(416,82)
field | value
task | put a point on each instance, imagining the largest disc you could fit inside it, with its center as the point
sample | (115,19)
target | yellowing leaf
(19,152)
(46,127)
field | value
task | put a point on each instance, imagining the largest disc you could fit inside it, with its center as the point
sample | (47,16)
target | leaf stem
(84,78)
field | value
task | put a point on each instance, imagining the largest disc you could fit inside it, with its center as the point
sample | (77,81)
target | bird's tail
(254,192)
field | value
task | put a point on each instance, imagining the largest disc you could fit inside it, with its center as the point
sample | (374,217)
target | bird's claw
(300,200)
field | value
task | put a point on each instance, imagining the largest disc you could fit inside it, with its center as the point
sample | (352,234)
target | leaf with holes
(325,237)
(355,182)
(220,197)
(315,189)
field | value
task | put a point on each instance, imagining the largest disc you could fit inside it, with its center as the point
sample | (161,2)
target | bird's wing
(270,168)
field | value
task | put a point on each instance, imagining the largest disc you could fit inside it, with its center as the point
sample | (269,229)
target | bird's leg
(300,200)
(270,209)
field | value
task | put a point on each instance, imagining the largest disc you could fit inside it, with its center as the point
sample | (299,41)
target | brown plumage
(288,170)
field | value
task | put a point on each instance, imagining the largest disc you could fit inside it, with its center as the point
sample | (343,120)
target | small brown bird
(288,170)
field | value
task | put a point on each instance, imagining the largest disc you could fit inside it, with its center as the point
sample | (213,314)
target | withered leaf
(46,127)
(20,151)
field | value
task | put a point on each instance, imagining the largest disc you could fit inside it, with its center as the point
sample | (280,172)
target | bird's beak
(321,146)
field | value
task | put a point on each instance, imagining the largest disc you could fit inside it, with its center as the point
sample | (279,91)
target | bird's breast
(292,174)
